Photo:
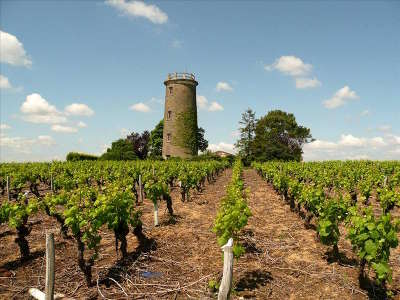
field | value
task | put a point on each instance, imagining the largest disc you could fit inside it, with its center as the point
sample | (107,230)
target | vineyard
(147,229)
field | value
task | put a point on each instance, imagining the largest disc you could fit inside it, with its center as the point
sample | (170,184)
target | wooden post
(50,257)
(8,188)
(51,183)
(226,282)
(140,189)
(155,214)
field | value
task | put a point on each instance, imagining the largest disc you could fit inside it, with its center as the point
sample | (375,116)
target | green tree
(202,143)
(120,150)
(278,136)
(247,133)
(156,140)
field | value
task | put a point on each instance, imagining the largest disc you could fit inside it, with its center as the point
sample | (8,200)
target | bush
(75,156)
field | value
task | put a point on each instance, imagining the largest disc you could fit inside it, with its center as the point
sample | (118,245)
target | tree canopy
(140,143)
(120,150)
(156,140)
(278,136)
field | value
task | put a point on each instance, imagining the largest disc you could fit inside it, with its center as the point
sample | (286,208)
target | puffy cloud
(177,44)
(124,132)
(78,109)
(223,86)
(365,113)
(12,51)
(4,126)
(38,110)
(351,141)
(63,129)
(385,128)
(295,67)
(202,102)
(141,107)
(4,83)
(46,140)
(306,83)
(24,145)
(81,124)
(290,65)
(139,9)
(230,148)
(215,106)
(352,147)
(340,98)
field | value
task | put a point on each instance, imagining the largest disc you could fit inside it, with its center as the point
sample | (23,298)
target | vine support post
(155,213)
(51,183)
(226,282)
(50,257)
(140,189)
(8,187)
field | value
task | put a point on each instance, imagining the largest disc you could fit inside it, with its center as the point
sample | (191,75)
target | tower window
(169,114)
(168,137)
(170,90)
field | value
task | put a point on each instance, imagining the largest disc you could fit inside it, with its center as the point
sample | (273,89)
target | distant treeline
(75,156)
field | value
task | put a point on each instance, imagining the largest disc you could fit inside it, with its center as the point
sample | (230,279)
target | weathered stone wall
(182,99)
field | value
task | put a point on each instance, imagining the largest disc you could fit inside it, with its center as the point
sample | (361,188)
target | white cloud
(230,148)
(177,44)
(215,106)
(377,142)
(38,110)
(4,83)
(365,113)
(290,65)
(202,102)
(4,126)
(24,145)
(319,144)
(141,107)
(385,128)
(305,83)
(78,109)
(46,140)
(352,147)
(63,129)
(124,132)
(223,86)
(139,9)
(340,98)
(81,124)
(12,51)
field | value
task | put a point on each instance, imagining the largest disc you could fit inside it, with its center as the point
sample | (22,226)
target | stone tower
(180,116)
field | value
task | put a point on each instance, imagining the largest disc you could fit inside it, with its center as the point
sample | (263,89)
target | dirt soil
(283,259)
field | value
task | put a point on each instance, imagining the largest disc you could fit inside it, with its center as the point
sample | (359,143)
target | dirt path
(285,260)
(183,253)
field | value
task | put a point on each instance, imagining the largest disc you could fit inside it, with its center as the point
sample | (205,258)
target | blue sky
(76,75)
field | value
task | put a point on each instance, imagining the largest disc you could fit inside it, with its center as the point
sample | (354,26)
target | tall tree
(120,150)
(156,140)
(278,136)
(202,143)
(140,143)
(247,133)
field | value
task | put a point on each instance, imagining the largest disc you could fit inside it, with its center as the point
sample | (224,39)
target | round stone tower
(180,116)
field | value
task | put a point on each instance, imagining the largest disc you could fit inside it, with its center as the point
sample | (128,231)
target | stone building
(180,116)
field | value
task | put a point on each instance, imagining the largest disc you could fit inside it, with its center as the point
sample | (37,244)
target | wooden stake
(50,257)
(8,188)
(51,183)
(226,282)
(140,189)
(155,214)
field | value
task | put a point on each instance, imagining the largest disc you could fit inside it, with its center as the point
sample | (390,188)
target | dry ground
(283,259)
